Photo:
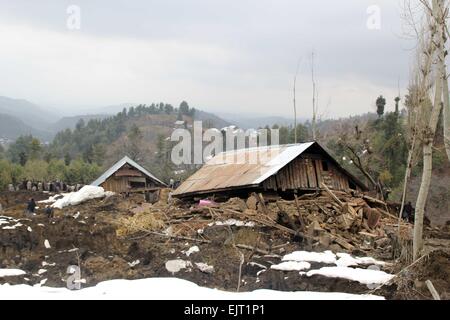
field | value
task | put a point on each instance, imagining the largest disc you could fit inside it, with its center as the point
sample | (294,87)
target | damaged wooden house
(127,176)
(285,170)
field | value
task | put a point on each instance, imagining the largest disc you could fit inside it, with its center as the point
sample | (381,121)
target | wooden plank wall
(307,172)
(120,184)
(117,185)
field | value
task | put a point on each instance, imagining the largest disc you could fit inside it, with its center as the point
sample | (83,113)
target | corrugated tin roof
(234,169)
(120,164)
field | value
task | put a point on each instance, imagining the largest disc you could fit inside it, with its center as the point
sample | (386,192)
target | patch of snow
(44,264)
(47,244)
(29,229)
(84,194)
(42,271)
(11,272)
(363,276)
(163,289)
(260,272)
(174,266)
(292,266)
(18,224)
(203,267)
(233,222)
(320,257)
(41,225)
(76,215)
(80,281)
(255,264)
(134,263)
(346,260)
(53,198)
(73,250)
(41,283)
(192,250)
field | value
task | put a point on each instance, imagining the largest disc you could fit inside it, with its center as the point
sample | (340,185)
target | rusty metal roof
(245,168)
(241,168)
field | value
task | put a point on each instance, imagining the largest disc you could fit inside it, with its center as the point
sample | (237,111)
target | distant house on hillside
(286,169)
(128,176)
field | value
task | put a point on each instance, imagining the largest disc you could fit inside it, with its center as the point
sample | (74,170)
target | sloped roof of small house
(125,160)
(233,169)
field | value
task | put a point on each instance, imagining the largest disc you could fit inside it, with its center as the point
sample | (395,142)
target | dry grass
(143,221)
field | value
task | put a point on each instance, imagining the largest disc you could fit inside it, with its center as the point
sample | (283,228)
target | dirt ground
(89,235)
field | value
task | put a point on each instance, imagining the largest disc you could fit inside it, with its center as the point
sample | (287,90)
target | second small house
(127,176)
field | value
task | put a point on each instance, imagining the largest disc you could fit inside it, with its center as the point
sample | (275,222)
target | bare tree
(295,104)
(314,100)
(446,117)
(432,67)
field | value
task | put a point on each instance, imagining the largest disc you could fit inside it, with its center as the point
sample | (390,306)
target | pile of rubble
(324,220)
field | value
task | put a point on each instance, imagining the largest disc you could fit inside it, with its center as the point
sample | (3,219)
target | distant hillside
(70,122)
(254,122)
(29,113)
(213,120)
(11,128)
(112,110)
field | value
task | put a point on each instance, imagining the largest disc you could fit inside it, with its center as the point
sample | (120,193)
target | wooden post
(332,194)
(300,216)
(432,289)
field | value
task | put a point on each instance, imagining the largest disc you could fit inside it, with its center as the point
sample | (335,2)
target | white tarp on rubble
(164,289)
(84,194)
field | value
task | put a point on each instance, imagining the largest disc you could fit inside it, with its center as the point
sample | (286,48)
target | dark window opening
(324,166)
(351,185)
(136,185)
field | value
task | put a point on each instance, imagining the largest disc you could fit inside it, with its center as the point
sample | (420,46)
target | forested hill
(78,155)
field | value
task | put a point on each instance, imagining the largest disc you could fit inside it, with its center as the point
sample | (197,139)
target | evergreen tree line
(76,156)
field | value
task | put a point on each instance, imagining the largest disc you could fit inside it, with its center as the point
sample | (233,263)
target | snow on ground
(233,222)
(192,250)
(177,265)
(163,289)
(299,261)
(203,267)
(321,257)
(84,194)
(11,272)
(292,266)
(328,257)
(364,276)
(346,260)
(53,198)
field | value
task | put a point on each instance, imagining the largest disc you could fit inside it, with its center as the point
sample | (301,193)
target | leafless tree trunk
(437,25)
(446,116)
(314,102)
(415,98)
(295,104)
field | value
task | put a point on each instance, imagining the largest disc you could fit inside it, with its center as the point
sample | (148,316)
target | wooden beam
(323,185)
(433,290)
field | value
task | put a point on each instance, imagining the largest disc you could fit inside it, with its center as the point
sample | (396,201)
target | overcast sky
(229,56)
